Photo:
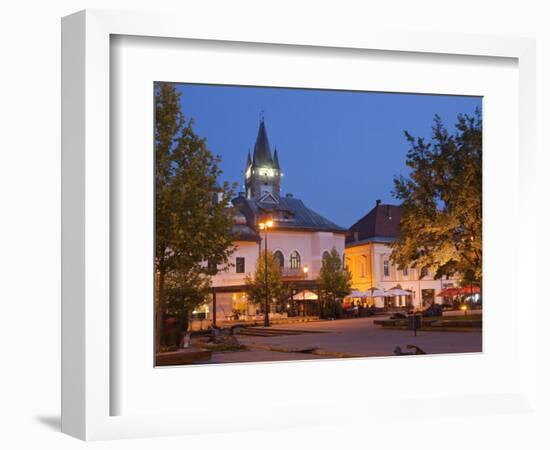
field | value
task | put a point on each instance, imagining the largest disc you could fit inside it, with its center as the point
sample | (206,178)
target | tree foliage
(441,210)
(192,221)
(184,291)
(334,283)
(279,292)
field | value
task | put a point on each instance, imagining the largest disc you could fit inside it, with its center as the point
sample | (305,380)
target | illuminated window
(240,264)
(386,268)
(295,260)
(280,258)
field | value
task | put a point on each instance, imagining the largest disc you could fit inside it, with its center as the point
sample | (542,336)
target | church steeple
(276,159)
(263,173)
(262,150)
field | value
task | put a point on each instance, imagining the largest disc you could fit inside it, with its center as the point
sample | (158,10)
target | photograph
(296,224)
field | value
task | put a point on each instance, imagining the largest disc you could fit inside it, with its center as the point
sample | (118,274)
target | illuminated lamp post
(266,226)
(305,269)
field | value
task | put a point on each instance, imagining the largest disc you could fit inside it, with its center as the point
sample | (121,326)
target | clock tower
(263,173)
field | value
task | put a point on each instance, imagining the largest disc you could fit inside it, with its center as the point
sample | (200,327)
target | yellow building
(359,262)
(367,256)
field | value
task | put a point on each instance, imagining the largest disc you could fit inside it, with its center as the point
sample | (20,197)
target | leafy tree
(184,291)
(334,283)
(192,221)
(441,213)
(279,292)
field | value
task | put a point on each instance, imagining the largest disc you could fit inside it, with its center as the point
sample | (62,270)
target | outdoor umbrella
(449,292)
(306,294)
(357,294)
(469,289)
(374,292)
(393,292)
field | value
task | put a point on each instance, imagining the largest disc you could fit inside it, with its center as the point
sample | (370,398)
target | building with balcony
(299,238)
(367,257)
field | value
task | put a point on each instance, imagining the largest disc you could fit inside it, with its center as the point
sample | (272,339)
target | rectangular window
(386,268)
(405,271)
(347,264)
(212,267)
(240,264)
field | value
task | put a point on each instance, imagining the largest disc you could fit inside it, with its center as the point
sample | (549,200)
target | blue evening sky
(339,150)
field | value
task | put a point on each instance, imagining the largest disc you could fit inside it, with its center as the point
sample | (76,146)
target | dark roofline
(299,228)
(371,240)
(239,237)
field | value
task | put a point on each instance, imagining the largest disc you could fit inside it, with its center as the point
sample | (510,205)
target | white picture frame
(87,386)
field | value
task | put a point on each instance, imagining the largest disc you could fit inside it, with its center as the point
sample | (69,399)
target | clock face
(267,172)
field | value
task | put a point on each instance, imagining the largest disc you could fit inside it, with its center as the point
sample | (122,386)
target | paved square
(358,337)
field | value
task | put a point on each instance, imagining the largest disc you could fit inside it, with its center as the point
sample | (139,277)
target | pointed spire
(276,159)
(262,151)
(248,160)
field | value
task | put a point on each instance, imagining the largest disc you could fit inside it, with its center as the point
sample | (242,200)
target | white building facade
(299,238)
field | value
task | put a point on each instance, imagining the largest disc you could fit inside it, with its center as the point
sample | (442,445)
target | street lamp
(266,226)
(305,269)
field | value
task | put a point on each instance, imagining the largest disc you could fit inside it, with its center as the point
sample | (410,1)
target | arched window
(326,255)
(279,257)
(295,260)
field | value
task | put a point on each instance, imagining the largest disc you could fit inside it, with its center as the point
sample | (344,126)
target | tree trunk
(160,310)
(184,327)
